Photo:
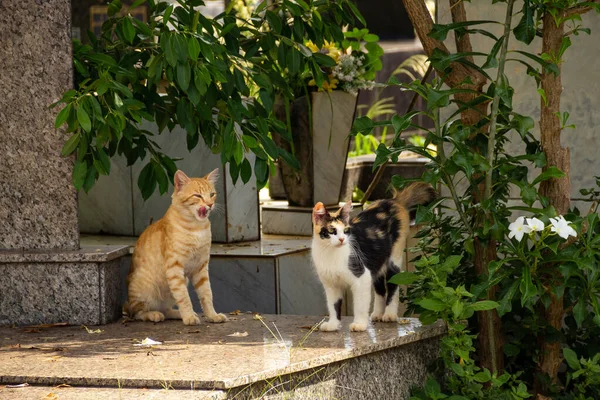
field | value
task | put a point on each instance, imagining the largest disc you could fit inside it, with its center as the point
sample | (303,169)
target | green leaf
(70,146)
(62,116)
(457,309)
(362,125)
(580,311)
(261,170)
(571,358)
(114,7)
(403,278)
(525,30)
(104,161)
(432,388)
(293,59)
(84,119)
(484,305)
(399,123)
(161,177)
(147,181)
(482,377)
(245,171)
(324,60)
(491,61)
(184,74)
(545,64)
(440,32)
(167,14)
(432,304)
(193,48)
(522,124)
(128,30)
(550,172)
(79,173)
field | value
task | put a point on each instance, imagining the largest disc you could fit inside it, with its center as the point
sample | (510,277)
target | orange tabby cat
(170,251)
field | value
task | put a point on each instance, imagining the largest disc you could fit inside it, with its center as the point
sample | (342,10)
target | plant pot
(322,151)
(359,173)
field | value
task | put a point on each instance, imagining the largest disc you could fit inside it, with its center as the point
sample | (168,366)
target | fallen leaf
(91,330)
(62,386)
(147,343)
(404,321)
(236,312)
(51,396)
(219,342)
(239,334)
(21,385)
(309,327)
(257,317)
(47,325)
(196,331)
(32,330)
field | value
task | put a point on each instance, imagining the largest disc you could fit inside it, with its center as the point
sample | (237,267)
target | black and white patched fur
(363,253)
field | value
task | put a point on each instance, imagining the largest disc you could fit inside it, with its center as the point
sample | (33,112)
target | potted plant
(321,114)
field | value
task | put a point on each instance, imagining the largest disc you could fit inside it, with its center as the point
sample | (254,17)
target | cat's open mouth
(203,212)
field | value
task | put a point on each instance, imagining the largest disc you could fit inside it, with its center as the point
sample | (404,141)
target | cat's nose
(341,240)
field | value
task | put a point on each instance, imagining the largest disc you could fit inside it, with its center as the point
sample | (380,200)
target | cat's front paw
(358,326)
(375,317)
(217,318)
(154,316)
(191,319)
(329,326)
(389,318)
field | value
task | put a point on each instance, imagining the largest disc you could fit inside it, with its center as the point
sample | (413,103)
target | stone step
(273,275)
(245,358)
(94,393)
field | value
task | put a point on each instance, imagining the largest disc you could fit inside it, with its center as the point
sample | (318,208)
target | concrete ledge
(278,218)
(389,357)
(92,393)
(76,287)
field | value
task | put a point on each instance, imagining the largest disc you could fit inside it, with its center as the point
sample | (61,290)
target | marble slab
(300,291)
(108,207)
(246,284)
(207,356)
(278,218)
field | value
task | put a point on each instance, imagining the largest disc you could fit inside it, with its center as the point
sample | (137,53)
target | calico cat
(363,254)
(171,251)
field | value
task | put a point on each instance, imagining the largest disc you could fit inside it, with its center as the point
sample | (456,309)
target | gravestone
(45,276)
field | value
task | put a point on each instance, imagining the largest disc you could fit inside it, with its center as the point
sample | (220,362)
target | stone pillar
(44,275)
(38,204)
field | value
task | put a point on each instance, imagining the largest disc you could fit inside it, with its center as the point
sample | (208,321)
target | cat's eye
(333,231)
(346,229)
(199,196)
(213,194)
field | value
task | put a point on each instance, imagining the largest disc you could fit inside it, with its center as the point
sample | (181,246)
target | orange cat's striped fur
(171,251)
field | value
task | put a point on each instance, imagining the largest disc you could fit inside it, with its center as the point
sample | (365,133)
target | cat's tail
(415,194)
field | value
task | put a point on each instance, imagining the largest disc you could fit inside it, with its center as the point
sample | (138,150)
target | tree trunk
(490,332)
(557,190)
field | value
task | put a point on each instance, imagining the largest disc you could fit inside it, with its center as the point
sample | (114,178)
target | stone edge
(420,333)
(84,254)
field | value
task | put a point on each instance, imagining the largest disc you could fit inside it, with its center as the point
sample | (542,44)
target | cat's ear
(213,176)
(319,213)
(345,211)
(180,180)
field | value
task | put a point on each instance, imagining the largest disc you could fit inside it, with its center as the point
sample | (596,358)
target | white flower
(518,229)
(535,224)
(562,228)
